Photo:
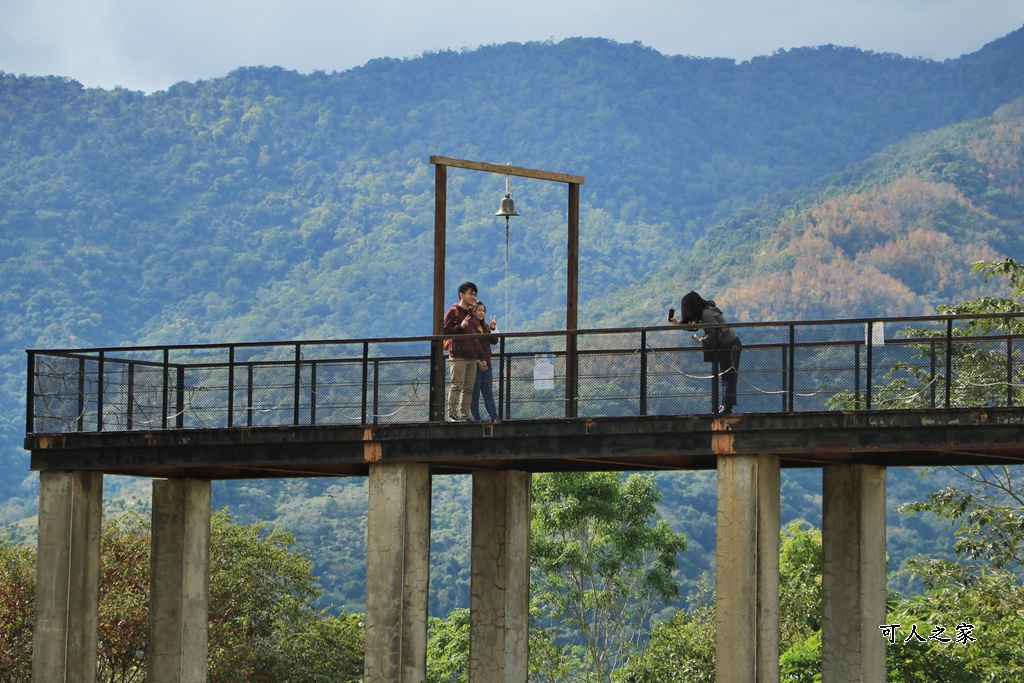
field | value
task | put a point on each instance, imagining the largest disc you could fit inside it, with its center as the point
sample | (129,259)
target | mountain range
(811,183)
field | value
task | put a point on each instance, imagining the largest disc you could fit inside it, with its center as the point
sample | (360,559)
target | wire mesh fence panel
(56,394)
(205,397)
(762,379)
(534,386)
(270,397)
(530,376)
(145,406)
(678,382)
(978,377)
(401,391)
(336,392)
(610,384)
(609,374)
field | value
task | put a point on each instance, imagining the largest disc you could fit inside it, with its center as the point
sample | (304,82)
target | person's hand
(673,321)
(696,338)
(482,364)
(465,322)
(494,322)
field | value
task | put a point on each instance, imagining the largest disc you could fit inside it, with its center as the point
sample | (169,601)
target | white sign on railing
(544,372)
(876,330)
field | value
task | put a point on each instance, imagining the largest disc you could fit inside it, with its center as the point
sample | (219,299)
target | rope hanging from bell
(508,209)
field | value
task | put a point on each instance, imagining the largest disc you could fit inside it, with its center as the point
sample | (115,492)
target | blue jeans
(483,386)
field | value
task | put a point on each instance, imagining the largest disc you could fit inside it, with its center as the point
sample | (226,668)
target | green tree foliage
(602,561)
(978,597)
(17,611)
(978,375)
(448,648)
(262,625)
(967,624)
(680,650)
(260,614)
(552,659)
(799,584)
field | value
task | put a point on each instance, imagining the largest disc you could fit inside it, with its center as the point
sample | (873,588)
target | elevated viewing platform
(852,397)
(943,390)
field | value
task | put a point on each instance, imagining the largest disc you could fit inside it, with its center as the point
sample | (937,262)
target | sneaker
(451,418)
(725,410)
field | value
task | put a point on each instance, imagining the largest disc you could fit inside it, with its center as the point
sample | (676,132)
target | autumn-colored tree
(123,627)
(17,611)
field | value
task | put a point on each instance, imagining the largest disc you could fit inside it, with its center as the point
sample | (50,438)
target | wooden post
(437,370)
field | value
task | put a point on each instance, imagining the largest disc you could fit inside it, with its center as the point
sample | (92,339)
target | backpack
(447,344)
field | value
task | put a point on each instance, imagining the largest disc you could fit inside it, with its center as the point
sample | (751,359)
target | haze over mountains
(267,205)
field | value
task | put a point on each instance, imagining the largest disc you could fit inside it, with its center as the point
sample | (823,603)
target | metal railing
(786,367)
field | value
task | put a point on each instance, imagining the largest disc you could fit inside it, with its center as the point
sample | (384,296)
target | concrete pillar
(179,583)
(64,645)
(499,613)
(853,574)
(747,573)
(397,573)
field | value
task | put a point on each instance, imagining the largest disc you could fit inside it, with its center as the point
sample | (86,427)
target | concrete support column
(397,573)
(747,573)
(67,577)
(499,613)
(179,581)
(853,574)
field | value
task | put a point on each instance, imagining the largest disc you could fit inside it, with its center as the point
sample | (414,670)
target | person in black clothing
(722,345)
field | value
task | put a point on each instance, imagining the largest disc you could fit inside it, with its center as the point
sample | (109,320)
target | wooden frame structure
(441,165)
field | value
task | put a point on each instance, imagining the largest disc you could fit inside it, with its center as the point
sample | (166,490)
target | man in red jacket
(461,353)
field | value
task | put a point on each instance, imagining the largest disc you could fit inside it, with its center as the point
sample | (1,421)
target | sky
(149,45)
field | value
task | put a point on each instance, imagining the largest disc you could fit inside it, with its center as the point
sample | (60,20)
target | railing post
(871,356)
(1009,371)
(30,394)
(99,393)
(856,376)
(298,383)
(437,383)
(248,402)
(312,393)
(643,372)
(715,378)
(949,359)
(572,387)
(792,366)
(231,386)
(130,408)
(785,378)
(366,360)
(931,379)
(501,376)
(81,394)
(180,407)
(167,388)
(376,390)
(508,382)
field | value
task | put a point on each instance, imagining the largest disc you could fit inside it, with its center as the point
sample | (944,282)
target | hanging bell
(508,207)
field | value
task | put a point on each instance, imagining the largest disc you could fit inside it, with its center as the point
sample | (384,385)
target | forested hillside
(894,235)
(814,182)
